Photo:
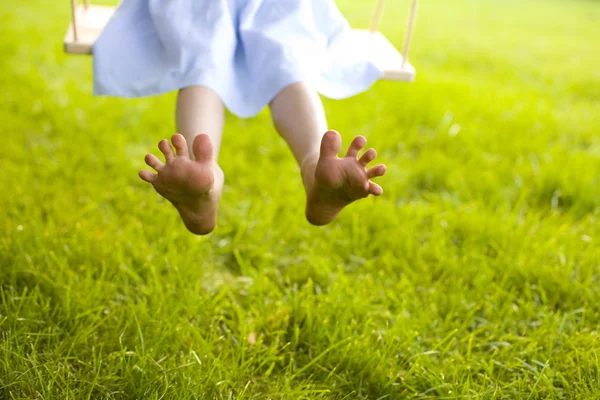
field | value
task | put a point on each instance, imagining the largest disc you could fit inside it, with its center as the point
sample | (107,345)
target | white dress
(244,50)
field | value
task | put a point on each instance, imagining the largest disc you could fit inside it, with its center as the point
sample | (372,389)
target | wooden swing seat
(88,22)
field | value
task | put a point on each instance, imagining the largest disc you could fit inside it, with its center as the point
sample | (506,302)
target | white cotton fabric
(244,50)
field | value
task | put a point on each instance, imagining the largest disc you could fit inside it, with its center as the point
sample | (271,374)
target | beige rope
(409,31)
(377,16)
(74,19)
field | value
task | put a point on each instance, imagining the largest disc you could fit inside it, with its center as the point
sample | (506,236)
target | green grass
(476,275)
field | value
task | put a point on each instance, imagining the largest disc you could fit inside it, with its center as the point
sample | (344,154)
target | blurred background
(474,275)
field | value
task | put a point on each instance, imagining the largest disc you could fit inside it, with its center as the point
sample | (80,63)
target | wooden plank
(90,23)
(407,74)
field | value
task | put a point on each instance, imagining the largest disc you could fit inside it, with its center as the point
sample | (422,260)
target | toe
(357,144)
(378,170)
(331,144)
(148,176)
(375,189)
(165,147)
(367,157)
(154,162)
(180,145)
(203,149)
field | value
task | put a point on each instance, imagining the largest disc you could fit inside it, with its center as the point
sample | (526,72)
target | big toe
(331,144)
(202,148)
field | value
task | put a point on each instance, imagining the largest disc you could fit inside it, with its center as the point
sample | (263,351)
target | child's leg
(200,110)
(190,178)
(331,183)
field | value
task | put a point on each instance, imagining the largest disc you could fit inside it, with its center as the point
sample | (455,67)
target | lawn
(475,275)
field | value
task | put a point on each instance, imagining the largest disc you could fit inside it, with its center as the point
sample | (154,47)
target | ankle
(309,162)
(307,168)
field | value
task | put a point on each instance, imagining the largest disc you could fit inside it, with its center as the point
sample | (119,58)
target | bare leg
(331,183)
(190,178)
(299,118)
(200,110)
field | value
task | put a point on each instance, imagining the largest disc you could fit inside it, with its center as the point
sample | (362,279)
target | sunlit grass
(475,275)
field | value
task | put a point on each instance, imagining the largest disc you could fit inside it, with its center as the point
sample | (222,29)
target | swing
(88,21)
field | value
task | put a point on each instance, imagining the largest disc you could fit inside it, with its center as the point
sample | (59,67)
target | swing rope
(409,30)
(74,18)
(377,16)
(86,5)
(409,27)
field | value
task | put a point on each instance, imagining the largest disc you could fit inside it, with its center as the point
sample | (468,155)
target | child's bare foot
(193,187)
(332,183)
